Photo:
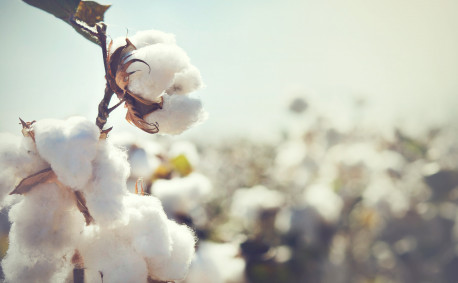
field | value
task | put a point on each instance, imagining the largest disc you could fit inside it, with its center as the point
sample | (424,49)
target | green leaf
(81,15)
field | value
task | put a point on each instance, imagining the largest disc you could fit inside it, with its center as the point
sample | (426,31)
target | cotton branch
(104,111)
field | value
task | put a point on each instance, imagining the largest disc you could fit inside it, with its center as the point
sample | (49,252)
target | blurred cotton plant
(74,215)
(338,204)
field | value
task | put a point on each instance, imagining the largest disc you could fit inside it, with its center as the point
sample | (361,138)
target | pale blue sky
(401,55)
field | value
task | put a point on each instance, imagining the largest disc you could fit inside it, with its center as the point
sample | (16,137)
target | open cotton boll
(150,81)
(20,267)
(68,146)
(46,221)
(177,264)
(104,196)
(182,195)
(178,114)
(147,226)
(106,253)
(46,227)
(186,81)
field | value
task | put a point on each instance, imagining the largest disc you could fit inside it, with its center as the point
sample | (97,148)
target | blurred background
(330,152)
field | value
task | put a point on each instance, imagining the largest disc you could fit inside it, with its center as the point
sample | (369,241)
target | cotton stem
(104,111)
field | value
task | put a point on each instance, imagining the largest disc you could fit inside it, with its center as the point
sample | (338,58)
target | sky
(399,56)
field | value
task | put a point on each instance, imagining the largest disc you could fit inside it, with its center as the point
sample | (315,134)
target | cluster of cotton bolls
(75,211)
(170,171)
(154,76)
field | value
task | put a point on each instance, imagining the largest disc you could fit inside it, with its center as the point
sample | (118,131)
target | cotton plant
(74,217)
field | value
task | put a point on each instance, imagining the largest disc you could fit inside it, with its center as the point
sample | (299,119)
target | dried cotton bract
(154,77)
(129,238)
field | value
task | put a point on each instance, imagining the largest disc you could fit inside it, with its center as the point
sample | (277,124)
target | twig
(103,108)
(104,111)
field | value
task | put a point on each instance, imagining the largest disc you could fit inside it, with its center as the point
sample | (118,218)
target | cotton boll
(147,226)
(186,81)
(105,194)
(46,227)
(182,195)
(176,266)
(20,267)
(106,253)
(69,146)
(178,114)
(46,221)
(150,81)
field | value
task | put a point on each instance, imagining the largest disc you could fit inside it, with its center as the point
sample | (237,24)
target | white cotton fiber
(46,228)
(144,38)
(176,265)
(105,194)
(108,254)
(186,81)
(150,37)
(46,221)
(216,263)
(164,60)
(182,195)
(19,154)
(21,267)
(18,159)
(147,227)
(178,114)
(68,146)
